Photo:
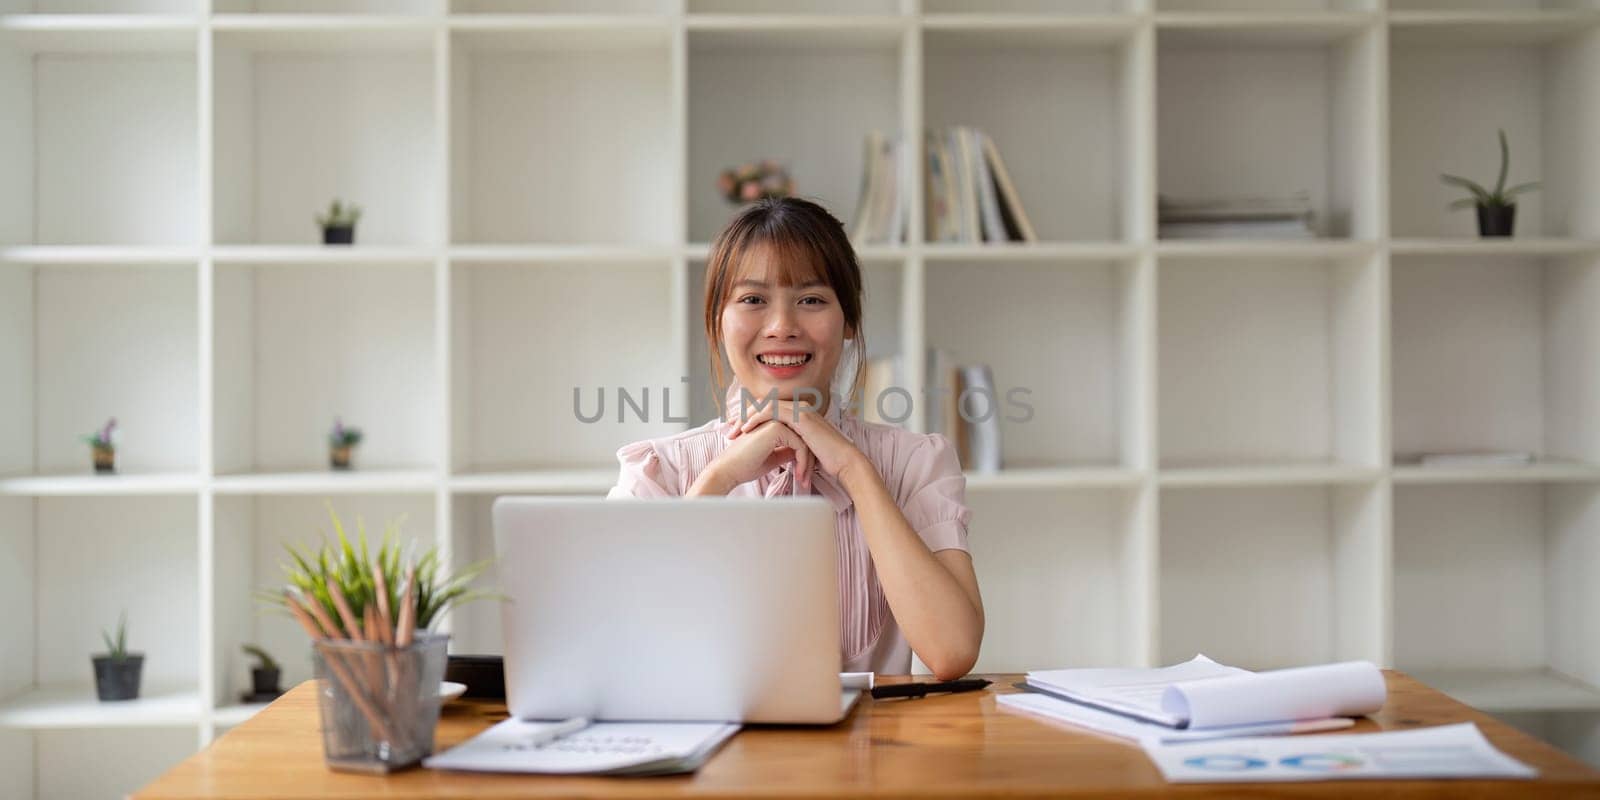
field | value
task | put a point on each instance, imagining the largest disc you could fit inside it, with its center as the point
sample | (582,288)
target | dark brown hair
(808,244)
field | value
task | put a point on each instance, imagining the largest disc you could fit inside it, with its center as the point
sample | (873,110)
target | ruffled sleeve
(936,505)
(645,473)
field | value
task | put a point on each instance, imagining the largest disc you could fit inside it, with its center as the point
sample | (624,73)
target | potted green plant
(341,439)
(1497,210)
(339,224)
(263,676)
(377,663)
(103,444)
(116,672)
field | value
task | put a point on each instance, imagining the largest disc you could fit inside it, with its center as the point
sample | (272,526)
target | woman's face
(781,337)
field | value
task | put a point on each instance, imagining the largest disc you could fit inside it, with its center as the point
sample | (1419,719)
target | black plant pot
(1496,220)
(339,234)
(118,679)
(264,681)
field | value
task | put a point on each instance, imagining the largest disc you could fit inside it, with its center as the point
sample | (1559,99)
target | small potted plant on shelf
(1497,210)
(263,676)
(339,224)
(340,441)
(104,447)
(378,666)
(116,672)
(748,183)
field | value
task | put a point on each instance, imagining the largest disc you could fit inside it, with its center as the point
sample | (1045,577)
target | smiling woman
(783,301)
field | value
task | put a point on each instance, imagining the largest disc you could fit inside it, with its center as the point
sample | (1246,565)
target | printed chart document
(1447,751)
(602,748)
(1201,693)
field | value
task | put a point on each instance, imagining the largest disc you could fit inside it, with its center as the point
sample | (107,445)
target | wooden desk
(944,745)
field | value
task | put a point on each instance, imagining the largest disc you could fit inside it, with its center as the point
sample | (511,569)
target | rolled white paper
(1346,689)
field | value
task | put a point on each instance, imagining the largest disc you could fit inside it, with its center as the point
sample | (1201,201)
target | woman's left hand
(830,450)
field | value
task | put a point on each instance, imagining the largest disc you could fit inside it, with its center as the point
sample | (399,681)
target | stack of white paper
(1204,694)
(1447,751)
(602,748)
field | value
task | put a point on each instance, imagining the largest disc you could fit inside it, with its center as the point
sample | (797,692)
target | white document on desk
(1201,693)
(1447,751)
(1126,727)
(603,748)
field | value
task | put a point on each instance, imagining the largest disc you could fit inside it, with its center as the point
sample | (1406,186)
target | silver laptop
(722,609)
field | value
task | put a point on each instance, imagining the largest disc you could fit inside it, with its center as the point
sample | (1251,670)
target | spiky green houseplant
(117,646)
(116,672)
(340,215)
(361,609)
(1499,202)
(339,223)
(349,570)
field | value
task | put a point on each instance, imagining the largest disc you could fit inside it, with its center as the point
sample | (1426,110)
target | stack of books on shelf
(881,213)
(973,427)
(1242,217)
(971,197)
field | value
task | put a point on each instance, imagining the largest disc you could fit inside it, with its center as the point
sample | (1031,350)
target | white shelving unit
(1217,455)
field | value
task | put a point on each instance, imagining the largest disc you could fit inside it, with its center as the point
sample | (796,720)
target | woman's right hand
(755,453)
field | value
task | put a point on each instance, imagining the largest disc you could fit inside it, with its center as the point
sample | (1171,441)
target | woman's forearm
(942,620)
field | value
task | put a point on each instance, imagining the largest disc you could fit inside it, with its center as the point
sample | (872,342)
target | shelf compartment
(1539,472)
(297,346)
(1273,577)
(1491,580)
(1448,100)
(1070,122)
(1287,28)
(524,176)
(123,761)
(296,127)
(122,483)
(1504,343)
(1063,586)
(1011,9)
(576,481)
(546,8)
(88,343)
(98,148)
(76,707)
(1266,109)
(883,289)
(1084,318)
(1510,691)
(1477,27)
(830,8)
(89,560)
(386,481)
(1270,362)
(774,94)
(515,367)
(98,33)
(329,7)
(1070,478)
(87,8)
(251,534)
(1278,474)
(1496,246)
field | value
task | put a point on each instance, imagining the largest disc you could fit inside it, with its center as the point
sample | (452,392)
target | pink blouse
(921,472)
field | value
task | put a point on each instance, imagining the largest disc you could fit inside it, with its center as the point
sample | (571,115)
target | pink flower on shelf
(750,191)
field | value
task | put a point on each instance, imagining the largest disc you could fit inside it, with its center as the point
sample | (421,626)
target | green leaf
(1478,192)
(1520,188)
(1505,164)
(1465,202)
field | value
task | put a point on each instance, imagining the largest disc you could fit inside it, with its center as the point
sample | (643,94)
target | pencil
(408,610)
(350,625)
